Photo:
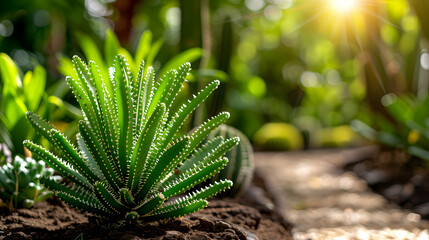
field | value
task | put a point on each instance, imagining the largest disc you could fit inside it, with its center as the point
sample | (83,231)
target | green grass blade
(111,47)
(34,87)
(153,52)
(90,49)
(189,55)
(144,46)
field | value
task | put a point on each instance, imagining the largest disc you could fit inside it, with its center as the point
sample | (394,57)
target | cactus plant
(19,182)
(240,167)
(129,160)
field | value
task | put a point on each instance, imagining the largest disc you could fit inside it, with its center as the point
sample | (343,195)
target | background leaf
(34,87)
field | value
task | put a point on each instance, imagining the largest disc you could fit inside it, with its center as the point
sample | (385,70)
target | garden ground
(325,202)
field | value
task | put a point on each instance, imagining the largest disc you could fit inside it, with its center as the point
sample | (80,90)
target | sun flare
(344,6)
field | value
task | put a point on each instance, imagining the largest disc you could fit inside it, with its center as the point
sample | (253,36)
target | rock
(423,210)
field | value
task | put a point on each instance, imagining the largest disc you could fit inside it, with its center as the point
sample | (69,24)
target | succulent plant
(19,182)
(240,167)
(129,161)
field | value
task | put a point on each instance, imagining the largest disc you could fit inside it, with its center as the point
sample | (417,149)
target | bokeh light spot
(424,61)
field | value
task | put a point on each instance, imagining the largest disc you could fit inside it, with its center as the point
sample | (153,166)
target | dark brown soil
(400,178)
(223,219)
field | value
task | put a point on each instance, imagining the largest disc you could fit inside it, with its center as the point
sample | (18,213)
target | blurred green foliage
(299,62)
(278,137)
(16,98)
(20,93)
(33,32)
(409,129)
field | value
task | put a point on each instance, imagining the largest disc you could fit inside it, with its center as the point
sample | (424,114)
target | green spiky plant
(19,182)
(129,161)
(241,164)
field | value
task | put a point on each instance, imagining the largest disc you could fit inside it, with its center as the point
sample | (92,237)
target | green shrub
(129,161)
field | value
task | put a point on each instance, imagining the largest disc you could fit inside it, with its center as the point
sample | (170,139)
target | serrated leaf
(108,200)
(192,177)
(139,160)
(177,211)
(58,165)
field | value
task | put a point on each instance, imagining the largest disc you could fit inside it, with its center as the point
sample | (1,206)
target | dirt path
(324,202)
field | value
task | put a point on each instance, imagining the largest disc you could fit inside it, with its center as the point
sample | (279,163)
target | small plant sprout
(129,160)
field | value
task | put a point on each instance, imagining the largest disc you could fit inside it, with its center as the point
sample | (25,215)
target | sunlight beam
(344,6)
